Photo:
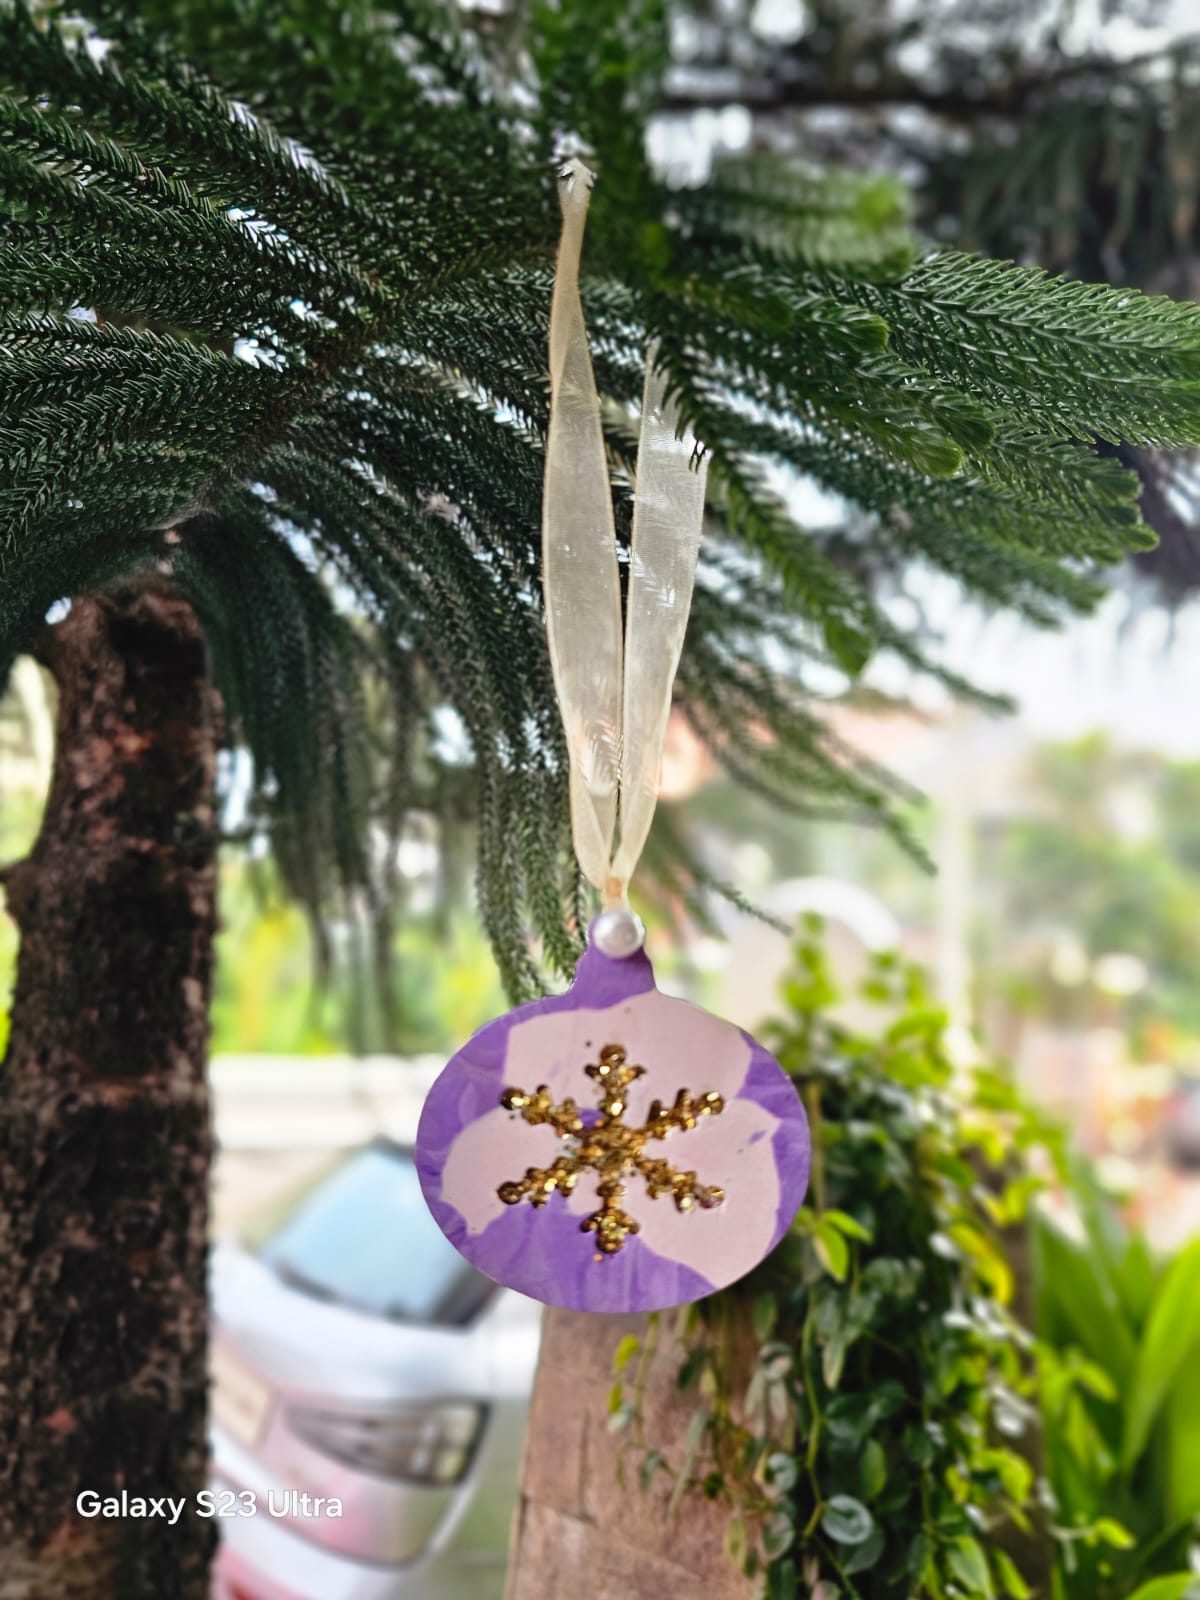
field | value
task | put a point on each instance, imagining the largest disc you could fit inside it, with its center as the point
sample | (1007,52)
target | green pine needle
(274,291)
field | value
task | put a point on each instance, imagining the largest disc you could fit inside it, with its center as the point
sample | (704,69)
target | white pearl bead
(618,933)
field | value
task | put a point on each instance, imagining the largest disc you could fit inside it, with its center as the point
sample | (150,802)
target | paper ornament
(613,1148)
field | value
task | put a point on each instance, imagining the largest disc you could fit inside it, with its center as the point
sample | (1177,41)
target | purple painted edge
(543,1254)
(537,1243)
(791,1143)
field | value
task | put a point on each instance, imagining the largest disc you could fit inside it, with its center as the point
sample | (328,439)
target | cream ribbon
(614,695)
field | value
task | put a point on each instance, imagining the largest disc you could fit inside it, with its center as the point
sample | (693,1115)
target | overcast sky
(1119,670)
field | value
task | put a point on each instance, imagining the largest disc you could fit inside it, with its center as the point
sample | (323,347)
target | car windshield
(364,1237)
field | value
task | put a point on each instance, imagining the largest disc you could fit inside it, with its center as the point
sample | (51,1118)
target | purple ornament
(714,1185)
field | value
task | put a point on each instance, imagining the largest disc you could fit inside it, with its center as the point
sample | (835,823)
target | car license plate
(240,1401)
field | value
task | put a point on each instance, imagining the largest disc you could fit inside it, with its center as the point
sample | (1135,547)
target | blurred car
(358,1357)
(1182,1127)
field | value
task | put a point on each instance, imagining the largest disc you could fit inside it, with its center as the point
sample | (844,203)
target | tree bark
(584,1527)
(105,1141)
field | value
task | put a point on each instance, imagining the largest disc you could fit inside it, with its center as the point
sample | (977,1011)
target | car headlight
(429,1444)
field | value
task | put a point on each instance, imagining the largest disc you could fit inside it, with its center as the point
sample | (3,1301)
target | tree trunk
(584,1526)
(104,1130)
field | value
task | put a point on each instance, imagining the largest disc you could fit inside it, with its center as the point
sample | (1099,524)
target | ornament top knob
(618,933)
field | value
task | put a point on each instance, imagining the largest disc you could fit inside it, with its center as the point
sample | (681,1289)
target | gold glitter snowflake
(610,1149)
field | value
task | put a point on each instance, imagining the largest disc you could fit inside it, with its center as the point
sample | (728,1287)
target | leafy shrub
(872,1453)
(1119,1365)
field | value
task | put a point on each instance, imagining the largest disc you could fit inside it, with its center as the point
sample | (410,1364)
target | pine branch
(273,301)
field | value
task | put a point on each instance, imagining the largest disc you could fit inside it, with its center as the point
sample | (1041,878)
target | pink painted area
(681,1047)
(487,1153)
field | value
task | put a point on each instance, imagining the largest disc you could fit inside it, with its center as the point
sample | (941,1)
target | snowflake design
(611,1149)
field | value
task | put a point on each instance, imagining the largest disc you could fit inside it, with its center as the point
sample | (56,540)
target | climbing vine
(865,1399)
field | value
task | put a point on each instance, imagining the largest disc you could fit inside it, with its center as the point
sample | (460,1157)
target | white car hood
(304,1343)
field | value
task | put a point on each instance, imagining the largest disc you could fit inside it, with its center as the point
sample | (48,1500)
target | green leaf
(849,1418)
(778,1535)
(969,1565)
(1121,1254)
(625,1352)
(781,1581)
(775,1359)
(805,1220)
(1183,1444)
(651,1462)
(846,1520)
(1109,1531)
(1076,1303)
(1171,1337)
(621,1412)
(832,1250)
(989,1260)
(762,1315)
(697,1428)
(736,1543)
(1135,1277)
(872,1469)
(1095,1380)
(1014,1583)
(1179,1586)
(848,1225)
(864,1556)
(621,1418)
(833,1357)
(849,646)
(1014,1472)
(918,1447)
(693,1366)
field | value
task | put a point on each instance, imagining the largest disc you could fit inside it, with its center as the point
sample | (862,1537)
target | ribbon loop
(614,695)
